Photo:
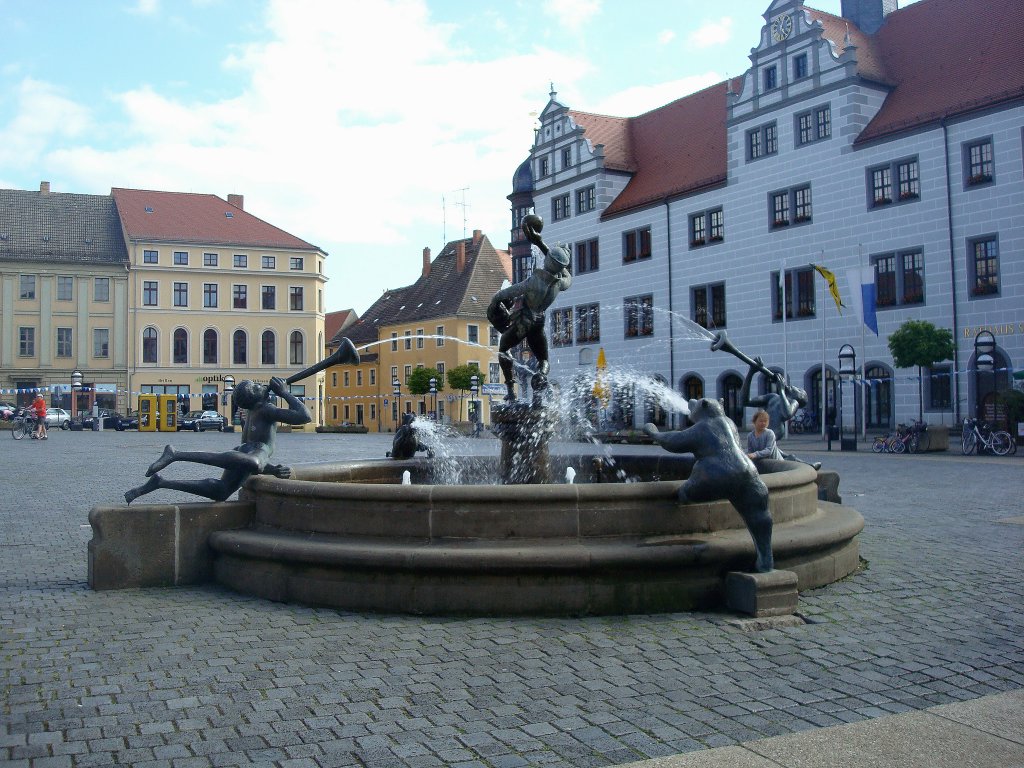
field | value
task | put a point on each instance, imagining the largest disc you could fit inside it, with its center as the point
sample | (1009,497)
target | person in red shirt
(39,406)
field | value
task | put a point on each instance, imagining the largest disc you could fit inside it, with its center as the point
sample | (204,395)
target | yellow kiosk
(168,413)
(147,413)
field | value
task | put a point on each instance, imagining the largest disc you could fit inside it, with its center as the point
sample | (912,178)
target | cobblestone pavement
(205,677)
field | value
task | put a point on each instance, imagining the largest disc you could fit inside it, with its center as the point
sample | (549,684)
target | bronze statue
(407,442)
(518,311)
(258,436)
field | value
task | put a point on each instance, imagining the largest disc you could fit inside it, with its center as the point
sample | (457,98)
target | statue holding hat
(518,310)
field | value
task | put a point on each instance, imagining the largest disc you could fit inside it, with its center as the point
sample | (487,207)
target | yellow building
(440,322)
(63,299)
(215,292)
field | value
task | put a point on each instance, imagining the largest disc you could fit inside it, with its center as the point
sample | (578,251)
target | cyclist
(38,407)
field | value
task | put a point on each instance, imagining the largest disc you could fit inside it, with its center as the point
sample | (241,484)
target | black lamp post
(76,387)
(433,391)
(229,387)
(984,362)
(847,370)
(396,392)
(474,388)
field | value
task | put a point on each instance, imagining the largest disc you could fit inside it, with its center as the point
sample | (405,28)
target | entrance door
(878,393)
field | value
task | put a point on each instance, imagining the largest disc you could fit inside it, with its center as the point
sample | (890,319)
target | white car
(58,417)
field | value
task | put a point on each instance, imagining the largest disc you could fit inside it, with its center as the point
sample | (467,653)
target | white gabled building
(885,138)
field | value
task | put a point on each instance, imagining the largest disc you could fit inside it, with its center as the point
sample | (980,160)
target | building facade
(217,294)
(439,322)
(63,299)
(844,145)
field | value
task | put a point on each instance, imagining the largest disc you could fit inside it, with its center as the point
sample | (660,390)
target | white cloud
(640,99)
(666,36)
(42,114)
(572,14)
(145,7)
(712,33)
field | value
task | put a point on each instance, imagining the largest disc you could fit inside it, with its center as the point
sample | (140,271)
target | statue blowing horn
(345,354)
(722,343)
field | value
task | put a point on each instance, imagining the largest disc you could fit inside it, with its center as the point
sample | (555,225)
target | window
(439,368)
(240,261)
(770,76)
(814,125)
(149,345)
(268,297)
(295,298)
(295,350)
(150,257)
(707,305)
(180,347)
(239,348)
(239,296)
(149,293)
(408,340)
(912,274)
(586,199)
(27,287)
(419,338)
(493,337)
(394,341)
(439,332)
(373,377)
(408,373)
(268,348)
(545,167)
(586,256)
(796,200)
(636,245)
(561,327)
(181,294)
(345,379)
(209,259)
(65,288)
(908,176)
(63,342)
(319,300)
(359,377)
(101,342)
(638,313)
(295,263)
(269,262)
(762,141)
(209,294)
(983,266)
(210,346)
(394,374)
(101,289)
(899,278)
(566,157)
(560,207)
(181,258)
(588,323)
(26,341)
(473,334)
(940,388)
(800,66)
(979,162)
(707,227)
(799,293)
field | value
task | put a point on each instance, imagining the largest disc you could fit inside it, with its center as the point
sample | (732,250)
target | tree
(918,342)
(419,381)
(460,377)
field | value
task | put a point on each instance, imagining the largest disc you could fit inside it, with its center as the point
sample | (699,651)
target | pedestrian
(39,407)
(761,442)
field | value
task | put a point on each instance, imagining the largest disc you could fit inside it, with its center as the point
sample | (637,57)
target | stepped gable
(58,226)
(186,217)
(947,58)
(835,29)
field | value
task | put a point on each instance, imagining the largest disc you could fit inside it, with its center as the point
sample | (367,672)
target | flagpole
(863,361)
(821,403)
(785,338)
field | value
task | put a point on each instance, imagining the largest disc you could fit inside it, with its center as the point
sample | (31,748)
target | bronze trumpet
(345,354)
(722,343)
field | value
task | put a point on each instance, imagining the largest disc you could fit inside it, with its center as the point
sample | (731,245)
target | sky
(370,128)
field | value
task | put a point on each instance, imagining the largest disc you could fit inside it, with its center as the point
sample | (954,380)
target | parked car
(200,421)
(130,421)
(7,411)
(58,417)
(110,419)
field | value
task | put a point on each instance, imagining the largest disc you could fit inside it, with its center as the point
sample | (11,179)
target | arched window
(149,345)
(209,346)
(730,387)
(878,392)
(693,388)
(179,351)
(268,348)
(295,348)
(239,348)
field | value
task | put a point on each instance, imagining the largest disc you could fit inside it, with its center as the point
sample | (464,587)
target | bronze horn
(345,354)
(722,343)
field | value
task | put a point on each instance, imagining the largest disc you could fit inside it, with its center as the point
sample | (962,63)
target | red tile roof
(196,218)
(335,321)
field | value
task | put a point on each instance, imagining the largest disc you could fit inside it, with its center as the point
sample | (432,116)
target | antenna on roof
(463,204)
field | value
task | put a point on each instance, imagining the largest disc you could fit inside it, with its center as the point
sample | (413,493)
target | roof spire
(553,92)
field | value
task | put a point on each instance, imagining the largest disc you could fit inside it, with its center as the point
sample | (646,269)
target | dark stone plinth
(772,593)
(525,431)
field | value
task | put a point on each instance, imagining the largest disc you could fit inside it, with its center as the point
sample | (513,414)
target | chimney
(460,256)
(477,236)
(237,200)
(868,15)
(426,262)
(44,187)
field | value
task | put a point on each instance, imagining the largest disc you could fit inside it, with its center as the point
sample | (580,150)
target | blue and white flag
(862,295)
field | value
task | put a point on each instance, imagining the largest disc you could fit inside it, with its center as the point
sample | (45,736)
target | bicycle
(23,425)
(979,436)
(803,421)
(912,439)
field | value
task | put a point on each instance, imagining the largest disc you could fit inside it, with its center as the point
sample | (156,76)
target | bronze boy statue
(249,458)
(518,311)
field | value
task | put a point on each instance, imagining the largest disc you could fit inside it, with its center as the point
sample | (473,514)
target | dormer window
(771,78)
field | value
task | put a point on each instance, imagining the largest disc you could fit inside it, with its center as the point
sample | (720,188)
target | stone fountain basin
(349,535)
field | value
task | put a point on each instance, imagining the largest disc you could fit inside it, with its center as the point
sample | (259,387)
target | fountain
(531,532)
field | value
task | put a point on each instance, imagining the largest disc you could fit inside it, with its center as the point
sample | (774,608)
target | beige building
(440,322)
(63,299)
(215,292)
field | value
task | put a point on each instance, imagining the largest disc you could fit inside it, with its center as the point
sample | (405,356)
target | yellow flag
(833,287)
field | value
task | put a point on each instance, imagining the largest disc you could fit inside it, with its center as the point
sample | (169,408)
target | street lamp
(76,387)
(474,387)
(847,370)
(396,392)
(229,387)
(984,362)
(433,391)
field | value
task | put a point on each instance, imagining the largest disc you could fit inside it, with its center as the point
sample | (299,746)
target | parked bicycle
(803,421)
(906,439)
(24,425)
(979,436)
